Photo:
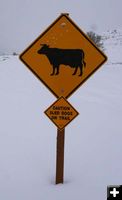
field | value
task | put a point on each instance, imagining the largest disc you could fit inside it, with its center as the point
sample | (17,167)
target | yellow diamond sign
(63,57)
(61,113)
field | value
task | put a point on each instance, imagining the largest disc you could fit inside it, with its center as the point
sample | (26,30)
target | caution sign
(61,113)
(63,57)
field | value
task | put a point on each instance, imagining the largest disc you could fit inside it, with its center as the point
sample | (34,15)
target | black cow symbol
(71,57)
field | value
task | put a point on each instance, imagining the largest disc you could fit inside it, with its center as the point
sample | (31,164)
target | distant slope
(113,46)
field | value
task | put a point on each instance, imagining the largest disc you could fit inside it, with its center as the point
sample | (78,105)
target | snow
(93,142)
(113,40)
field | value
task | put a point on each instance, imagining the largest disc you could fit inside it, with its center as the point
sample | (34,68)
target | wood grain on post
(60,156)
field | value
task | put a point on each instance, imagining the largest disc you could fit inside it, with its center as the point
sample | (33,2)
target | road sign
(61,113)
(63,57)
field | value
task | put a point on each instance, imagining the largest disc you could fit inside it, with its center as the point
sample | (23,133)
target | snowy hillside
(113,45)
(93,143)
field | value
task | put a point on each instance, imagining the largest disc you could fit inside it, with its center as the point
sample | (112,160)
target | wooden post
(60,156)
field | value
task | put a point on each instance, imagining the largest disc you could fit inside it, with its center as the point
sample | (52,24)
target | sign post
(63,57)
(60,156)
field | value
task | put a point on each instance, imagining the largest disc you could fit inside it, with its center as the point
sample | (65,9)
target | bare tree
(97,39)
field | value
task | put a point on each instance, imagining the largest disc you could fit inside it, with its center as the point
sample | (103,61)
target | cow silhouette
(71,57)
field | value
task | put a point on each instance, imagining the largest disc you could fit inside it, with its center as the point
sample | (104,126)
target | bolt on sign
(61,113)
(63,57)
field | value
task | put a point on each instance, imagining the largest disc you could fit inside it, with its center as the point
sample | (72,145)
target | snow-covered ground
(113,43)
(93,144)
